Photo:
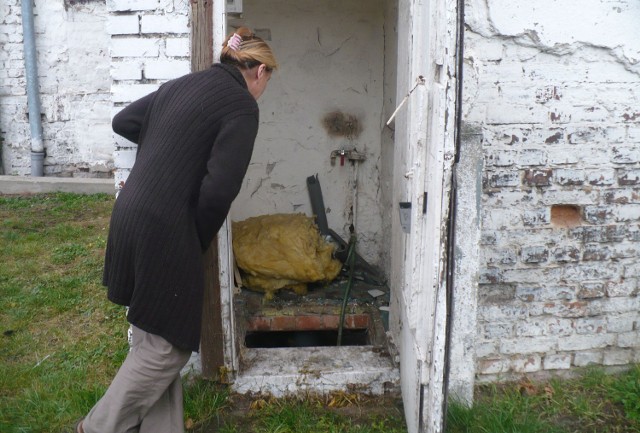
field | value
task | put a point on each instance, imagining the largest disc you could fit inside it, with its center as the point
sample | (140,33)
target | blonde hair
(253,51)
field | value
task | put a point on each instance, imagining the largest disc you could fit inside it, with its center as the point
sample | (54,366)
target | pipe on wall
(33,89)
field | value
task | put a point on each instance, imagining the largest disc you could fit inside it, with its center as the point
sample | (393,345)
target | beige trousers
(146,394)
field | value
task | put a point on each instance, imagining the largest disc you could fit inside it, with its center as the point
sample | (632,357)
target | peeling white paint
(332,61)
(562,27)
(552,86)
(73,73)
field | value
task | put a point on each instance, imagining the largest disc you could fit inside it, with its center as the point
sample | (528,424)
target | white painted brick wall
(135,47)
(558,361)
(560,128)
(123,24)
(175,24)
(149,45)
(73,69)
(124,93)
(166,69)
(178,47)
(132,5)
(126,70)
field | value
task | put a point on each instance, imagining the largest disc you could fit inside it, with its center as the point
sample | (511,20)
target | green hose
(350,262)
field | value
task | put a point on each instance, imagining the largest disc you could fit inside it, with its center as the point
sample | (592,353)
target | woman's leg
(150,369)
(167,415)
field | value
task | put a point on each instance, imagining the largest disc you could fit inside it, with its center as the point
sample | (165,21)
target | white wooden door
(424,143)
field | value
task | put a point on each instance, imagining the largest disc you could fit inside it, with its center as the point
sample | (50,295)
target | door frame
(425,143)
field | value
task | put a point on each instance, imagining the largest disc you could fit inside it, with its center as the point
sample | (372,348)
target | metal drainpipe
(33,95)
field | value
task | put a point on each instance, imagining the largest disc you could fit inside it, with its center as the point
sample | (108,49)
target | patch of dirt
(243,411)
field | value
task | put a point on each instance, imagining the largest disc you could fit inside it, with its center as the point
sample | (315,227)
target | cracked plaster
(562,27)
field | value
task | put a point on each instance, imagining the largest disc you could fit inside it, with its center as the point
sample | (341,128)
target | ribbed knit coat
(195,137)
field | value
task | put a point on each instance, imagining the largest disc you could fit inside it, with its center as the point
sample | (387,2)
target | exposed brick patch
(628,177)
(307,322)
(554,138)
(565,216)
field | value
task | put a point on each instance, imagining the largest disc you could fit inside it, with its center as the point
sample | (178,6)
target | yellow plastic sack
(282,251)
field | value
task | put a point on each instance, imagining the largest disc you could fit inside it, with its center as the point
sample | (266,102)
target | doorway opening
(323,115)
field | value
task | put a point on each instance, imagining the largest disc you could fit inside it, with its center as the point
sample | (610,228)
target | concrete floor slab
(316,370)
(37,185)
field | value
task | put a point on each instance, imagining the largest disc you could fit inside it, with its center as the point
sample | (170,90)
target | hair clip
(234,42)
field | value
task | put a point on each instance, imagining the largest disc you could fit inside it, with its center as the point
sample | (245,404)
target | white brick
(131,92)
(558,361)
(486,348)
(569,176)
(585,342)
(601,177)
(527,364)
(126,70)
(132,5)
(166,69)
(614,305)
(617,357)
(178,47)
(122,143)
(493,366)
(622,323)
(582,359)
(544,326)
(591,325)
(625,155)
(504,158)
(498,330)
(135,47)
(124,158)
(123,24)
(165,24)
(628,212)
(531,157)
(629,339)
(528,345)
(560,155)
(120,177)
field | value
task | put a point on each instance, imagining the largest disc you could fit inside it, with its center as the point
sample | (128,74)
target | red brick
(283,323)
(356,321)
(259,324)
(309,323)
(331,322)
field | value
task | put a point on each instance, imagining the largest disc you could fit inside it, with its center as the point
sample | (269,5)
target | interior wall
(331,58)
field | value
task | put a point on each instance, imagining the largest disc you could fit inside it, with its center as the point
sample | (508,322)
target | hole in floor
(275,339)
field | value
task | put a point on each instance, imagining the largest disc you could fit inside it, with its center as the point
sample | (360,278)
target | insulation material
(282,251)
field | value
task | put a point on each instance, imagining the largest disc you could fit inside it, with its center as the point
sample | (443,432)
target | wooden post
(201,34)
(211,346)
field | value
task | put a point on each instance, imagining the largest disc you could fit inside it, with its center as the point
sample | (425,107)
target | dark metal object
(369,273)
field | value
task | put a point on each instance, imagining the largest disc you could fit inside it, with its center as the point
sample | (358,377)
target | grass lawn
(594,402)
(62,342)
